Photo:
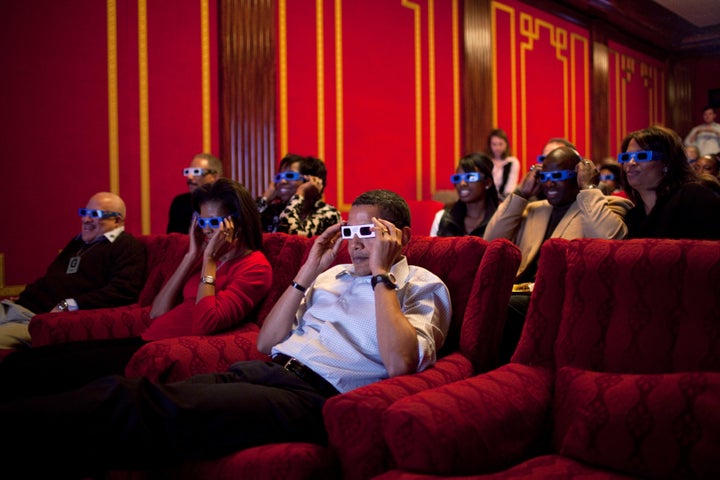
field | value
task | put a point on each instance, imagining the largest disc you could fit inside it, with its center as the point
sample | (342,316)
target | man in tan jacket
(573,208)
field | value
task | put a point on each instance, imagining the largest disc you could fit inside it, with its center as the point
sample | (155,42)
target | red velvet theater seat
(479,276)
(174,359)
(617,375)
(164,253)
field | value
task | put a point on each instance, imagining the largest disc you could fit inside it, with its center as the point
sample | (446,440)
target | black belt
(295,366)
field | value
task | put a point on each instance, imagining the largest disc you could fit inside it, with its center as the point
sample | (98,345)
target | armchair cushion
(478,424)
(656,425)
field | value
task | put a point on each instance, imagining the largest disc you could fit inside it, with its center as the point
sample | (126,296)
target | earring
(665,170)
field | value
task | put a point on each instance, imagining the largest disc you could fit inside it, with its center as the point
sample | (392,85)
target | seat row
(618,334)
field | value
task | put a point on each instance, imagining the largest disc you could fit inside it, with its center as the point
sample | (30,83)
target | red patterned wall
(638,89)
(541,79)
(372,88)
(98,96)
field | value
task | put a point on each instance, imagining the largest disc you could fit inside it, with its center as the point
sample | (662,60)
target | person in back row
(103,266)
(217,284)
(334,329)
(669,200)
(204,168)
(477,199)
(506,168)
(574,208)
(293,202)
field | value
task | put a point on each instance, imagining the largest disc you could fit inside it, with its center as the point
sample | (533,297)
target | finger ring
(532,168)
(587,162)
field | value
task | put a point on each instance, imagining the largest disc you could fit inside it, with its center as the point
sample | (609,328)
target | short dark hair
(315,167)
(392,206)
(235,199)
(288,160)
(213,162)
(614,168)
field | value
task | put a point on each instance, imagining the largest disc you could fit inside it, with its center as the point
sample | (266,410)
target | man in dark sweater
(204,168)
(101,267)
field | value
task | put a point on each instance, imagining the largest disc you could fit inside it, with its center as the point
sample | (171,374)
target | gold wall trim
(282,67)
(320,53)
(432,94)
(113,115)
(417,39)
(144,118)
(205,66)
(495,7)
(586,87)
(339,110)
(456,80)
(530,29)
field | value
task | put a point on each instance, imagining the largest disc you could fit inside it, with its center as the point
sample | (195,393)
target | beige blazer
(592,215)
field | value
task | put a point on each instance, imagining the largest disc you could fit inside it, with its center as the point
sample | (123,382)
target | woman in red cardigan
(219,281)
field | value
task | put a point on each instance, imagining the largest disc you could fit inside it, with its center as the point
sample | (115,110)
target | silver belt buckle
(293,363)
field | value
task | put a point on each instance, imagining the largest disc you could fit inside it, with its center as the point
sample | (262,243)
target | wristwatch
(62,306)
(386,278)
(208,280)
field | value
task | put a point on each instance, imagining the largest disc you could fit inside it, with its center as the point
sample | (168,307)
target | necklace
(74,263)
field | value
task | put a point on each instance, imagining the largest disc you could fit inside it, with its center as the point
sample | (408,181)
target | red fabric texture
(555,467)
(164,253)
(174,359)
(651,425)
(479,276)
(637,324)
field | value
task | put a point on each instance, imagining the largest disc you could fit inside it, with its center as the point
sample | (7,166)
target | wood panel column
(477,75)
(248,90)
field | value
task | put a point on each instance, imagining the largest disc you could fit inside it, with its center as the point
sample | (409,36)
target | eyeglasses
(556,176)
(607,177)
(92,213)
(289,176)
(468,177)
(362,231)
(212,222)
(640,156)
(540,158)
(197,172)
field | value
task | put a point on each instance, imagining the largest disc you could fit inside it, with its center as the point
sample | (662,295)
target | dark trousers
(64,366)
(517,310)
(121,423)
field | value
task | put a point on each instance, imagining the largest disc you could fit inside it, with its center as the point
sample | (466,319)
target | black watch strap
(386,278)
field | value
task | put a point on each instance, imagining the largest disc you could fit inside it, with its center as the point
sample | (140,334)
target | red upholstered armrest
(479,424)
(175,359)
(353,419)
(81,325)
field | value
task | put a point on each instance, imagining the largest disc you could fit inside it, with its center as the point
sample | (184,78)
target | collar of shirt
(111,236)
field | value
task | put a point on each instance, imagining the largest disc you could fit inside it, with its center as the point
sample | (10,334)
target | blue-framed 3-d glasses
(95,213)
(607,177)
(467,177)
(540,158)
(639,156)
(362,231)
(288,176)
(196,172)
(556,176)
(212,222)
